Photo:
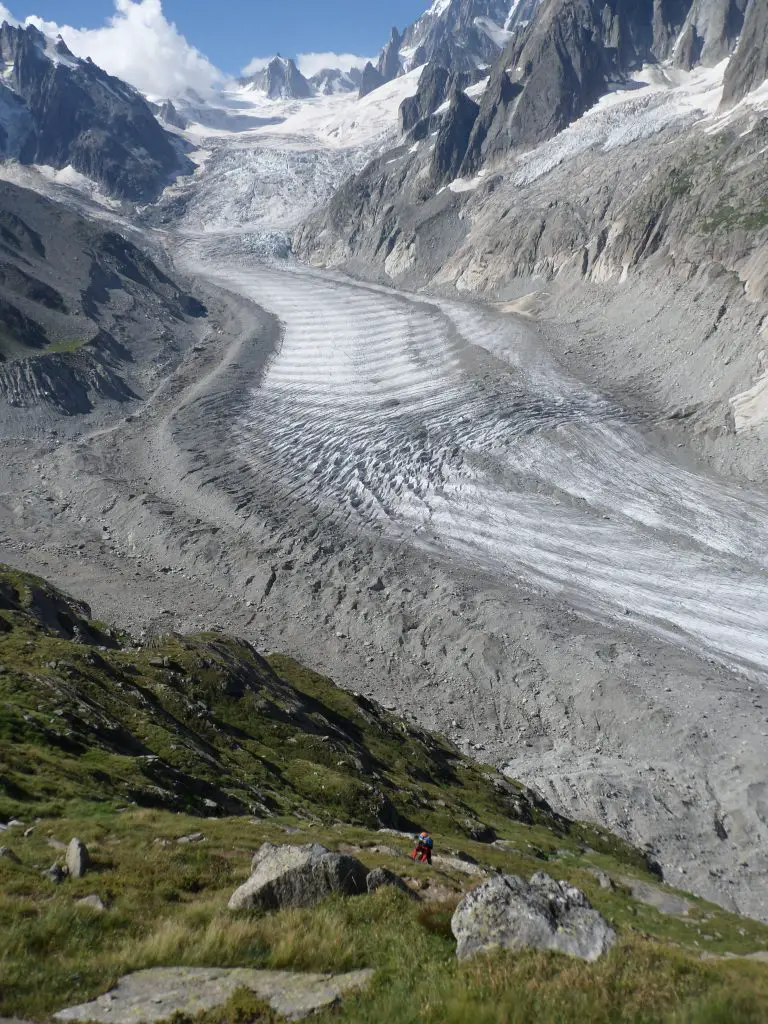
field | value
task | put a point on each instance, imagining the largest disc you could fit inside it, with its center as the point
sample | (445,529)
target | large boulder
(78,860)
(297,876)
(509,913)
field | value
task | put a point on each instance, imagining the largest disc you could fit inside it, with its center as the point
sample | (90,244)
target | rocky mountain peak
(59,110)
(462,35)
(280,80)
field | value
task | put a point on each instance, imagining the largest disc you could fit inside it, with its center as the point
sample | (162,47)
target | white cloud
(5,15)
(139,45)
(310,63)
(256,65)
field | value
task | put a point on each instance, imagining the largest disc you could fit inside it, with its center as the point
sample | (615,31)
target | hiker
(423,849)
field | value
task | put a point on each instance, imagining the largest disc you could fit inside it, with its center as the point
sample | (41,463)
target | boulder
(509,913)
(55,874)
(298,876)
(78,859)
(380,877)
(7,854)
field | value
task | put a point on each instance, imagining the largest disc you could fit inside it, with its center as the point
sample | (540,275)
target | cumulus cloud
(310,63)
(140,45)
(5,15)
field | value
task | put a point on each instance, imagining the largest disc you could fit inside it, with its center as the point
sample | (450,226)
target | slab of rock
(194,837)
(509,913)
(7,854)
(652,896)
(297,876)
(441,860)
(78,860)
(157,994)
(380,877)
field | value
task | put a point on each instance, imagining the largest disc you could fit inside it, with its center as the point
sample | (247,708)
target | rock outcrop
(509,913)
(371,79)
(453,138)
(389,65)
(749,66)
(58,110)
(710,31)
(298,876)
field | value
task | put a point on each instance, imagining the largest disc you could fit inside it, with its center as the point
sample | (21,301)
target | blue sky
(231,32)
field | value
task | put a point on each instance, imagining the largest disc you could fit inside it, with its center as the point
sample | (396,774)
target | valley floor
(416,501)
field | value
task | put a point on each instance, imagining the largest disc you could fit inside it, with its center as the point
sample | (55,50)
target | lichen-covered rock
(509,913)
(78,858)
(297,876)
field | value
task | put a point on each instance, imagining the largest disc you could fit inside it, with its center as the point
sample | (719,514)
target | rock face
(389,65)
(463,34)
(453,138)
(297,876)
(371,79)
(170,115)
(78,859)
(510,913)
(161,992)
(710,31)
(58,110)
(280,80)
(749,65)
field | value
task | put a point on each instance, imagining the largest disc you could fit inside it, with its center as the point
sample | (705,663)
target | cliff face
(58,110)
(749,67)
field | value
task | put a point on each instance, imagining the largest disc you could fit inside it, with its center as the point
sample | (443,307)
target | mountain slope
(148,753)
(79,305)
(58,110)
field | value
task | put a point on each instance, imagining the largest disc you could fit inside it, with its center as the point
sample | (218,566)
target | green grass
(167,906)
(123,747)
(730,215)
(62,347)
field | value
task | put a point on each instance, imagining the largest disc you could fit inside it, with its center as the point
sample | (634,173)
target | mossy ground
(123,747)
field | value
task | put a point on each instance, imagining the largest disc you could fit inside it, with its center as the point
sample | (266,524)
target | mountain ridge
(60,110)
